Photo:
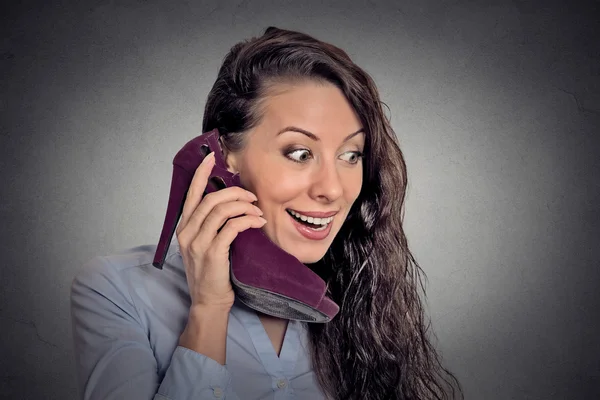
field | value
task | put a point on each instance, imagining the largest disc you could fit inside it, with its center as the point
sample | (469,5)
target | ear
(231,159)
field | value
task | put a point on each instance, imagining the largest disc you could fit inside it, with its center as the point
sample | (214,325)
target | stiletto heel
(264,277)
(185,163)
(180,183)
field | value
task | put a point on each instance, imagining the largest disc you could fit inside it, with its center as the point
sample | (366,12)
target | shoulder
(102,270)
(112,276)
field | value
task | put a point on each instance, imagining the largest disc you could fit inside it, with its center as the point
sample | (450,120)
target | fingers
(196,208)
(219,215)
(222,242)
(196,189)
(215,199)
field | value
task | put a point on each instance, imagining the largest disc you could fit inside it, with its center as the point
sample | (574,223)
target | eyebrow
(312,135)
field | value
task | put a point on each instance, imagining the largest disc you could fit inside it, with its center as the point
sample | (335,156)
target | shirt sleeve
(113,355)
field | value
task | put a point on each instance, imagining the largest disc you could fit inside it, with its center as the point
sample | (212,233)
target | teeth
(311,220)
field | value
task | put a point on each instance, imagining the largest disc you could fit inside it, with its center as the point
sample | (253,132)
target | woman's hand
(207,228)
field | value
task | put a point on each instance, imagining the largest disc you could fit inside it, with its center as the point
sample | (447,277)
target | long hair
(377,347)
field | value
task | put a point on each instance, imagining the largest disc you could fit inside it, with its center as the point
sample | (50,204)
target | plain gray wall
(497,107)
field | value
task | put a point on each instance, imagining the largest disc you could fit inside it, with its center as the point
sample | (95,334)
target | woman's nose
(327,183)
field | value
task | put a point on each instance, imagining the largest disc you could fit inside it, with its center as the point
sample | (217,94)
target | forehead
(320,108)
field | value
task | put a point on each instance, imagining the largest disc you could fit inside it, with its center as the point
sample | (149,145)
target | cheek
(280,190)
(275,188)
(353,187)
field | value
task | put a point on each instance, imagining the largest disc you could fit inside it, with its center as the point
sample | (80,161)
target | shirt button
(218,392)
(281,383)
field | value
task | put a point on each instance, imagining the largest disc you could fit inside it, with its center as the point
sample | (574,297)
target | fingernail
(210,157)
(264,221)
(252,196)
(258,210)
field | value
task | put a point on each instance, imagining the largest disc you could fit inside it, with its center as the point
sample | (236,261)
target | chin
(309,256)
(309,260)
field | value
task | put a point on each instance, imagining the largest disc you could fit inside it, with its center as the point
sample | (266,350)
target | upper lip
(316,214)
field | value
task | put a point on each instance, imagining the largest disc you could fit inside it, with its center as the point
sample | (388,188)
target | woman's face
(309,173)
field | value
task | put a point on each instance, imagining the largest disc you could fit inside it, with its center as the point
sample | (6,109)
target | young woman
(305,129)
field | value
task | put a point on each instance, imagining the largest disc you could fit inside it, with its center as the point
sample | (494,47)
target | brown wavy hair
(377,347)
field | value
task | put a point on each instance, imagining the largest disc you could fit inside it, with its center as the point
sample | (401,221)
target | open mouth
(316,226)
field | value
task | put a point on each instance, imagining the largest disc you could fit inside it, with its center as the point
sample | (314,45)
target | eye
(356,156)
(304,154)
(301,159)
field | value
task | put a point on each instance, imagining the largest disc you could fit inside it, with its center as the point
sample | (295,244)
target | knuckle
(181,238)
(208,198)
(241,192)
(219,210)
(210,255)
(195,248)
(228,227)
(235,223)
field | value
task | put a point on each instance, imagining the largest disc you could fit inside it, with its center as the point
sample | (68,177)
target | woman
(304,128)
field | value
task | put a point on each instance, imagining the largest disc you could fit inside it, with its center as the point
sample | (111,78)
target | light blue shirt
(127,317)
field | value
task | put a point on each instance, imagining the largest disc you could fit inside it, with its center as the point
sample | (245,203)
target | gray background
(497,107)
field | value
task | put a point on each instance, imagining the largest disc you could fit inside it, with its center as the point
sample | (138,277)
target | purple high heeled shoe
(264,277)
